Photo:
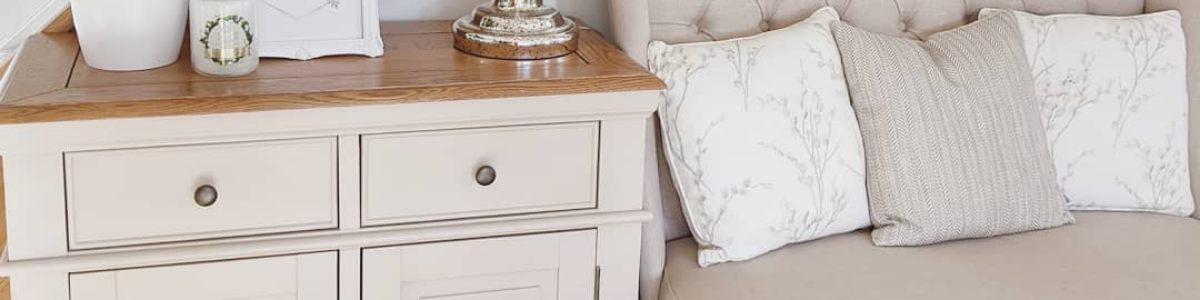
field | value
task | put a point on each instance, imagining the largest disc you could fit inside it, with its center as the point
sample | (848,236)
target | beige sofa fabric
(1096,259)
(952,133)
(637,22)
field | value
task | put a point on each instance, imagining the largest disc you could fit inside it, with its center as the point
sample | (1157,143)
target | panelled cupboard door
(164,194)
(453,174)
(310,276)
(532,267)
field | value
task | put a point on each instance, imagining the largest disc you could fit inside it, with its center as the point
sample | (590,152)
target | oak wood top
(51,82)
(64,22)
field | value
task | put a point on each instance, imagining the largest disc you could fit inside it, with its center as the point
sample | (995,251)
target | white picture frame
(308,29)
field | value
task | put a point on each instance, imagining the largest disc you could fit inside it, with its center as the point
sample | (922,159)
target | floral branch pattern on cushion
(1115,105)
(761,139)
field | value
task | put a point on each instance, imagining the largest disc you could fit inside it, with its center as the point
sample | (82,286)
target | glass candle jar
(222,37)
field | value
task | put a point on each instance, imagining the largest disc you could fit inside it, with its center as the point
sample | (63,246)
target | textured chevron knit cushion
(952,134)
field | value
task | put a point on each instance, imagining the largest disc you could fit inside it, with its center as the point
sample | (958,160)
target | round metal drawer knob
(206,195)
(485,176)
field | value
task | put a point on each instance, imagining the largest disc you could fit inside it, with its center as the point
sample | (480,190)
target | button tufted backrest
(706,20)
(676,21)
(637,22)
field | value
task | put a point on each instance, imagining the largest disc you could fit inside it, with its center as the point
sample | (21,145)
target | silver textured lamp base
(516,29)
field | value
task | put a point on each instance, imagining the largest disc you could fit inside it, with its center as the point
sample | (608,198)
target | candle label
(227,39)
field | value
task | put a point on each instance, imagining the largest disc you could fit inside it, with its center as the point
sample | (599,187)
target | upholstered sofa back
(638,22)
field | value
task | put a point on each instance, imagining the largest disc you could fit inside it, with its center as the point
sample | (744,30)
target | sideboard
(424,174)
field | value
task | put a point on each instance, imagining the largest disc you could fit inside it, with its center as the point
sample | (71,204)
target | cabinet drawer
(297,277)
(154,195)
(438,175)
(534,267)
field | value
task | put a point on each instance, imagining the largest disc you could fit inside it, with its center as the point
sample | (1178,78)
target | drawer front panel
(154,195)
(298,277)
(534,267)
(424,176)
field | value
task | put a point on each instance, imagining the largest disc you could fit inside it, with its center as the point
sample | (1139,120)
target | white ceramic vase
(128,35)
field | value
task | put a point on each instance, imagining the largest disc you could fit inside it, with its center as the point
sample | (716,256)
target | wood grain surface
(44,65)
(64,22)
(52,82)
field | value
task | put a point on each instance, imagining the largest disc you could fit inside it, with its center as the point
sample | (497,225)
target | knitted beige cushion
(952,132)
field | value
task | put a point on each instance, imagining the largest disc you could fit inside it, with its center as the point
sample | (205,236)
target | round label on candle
(227,39)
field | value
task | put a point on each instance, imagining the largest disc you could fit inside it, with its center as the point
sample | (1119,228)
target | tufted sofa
(1107,255)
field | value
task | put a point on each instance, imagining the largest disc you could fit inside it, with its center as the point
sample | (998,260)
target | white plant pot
(128,35)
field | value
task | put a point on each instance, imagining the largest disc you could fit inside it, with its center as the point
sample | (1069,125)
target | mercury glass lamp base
(516,29)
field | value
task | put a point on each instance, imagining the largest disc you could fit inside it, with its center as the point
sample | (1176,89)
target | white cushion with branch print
(761,139)
(1114,103)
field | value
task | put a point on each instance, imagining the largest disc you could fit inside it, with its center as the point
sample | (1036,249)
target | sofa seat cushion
(1106,255)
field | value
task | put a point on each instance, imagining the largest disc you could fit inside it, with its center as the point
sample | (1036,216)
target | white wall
(592,12)
(19,18)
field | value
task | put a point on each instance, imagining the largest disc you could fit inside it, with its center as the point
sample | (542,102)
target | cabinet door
(533,267)
(296,277)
